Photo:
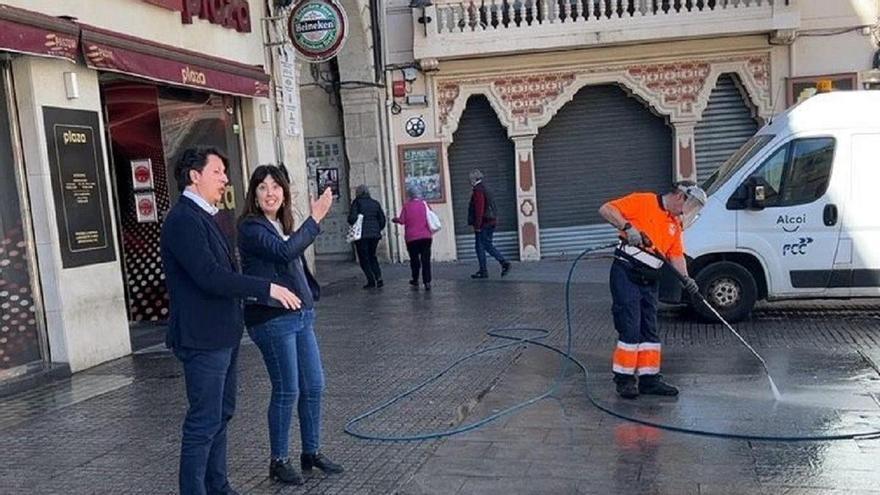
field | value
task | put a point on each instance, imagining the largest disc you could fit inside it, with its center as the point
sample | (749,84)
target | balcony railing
(454,28)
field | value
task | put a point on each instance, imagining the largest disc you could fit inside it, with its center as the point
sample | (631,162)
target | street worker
(650,228)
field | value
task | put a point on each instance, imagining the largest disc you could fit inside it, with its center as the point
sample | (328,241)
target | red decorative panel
(525,173)
(529,235)
(686,158)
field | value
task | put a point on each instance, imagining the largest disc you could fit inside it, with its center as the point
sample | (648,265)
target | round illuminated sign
(317,29)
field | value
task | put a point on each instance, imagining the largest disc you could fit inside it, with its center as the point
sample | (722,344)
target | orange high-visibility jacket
(645,212)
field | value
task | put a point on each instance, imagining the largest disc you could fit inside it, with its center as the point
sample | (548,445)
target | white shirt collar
(211,209)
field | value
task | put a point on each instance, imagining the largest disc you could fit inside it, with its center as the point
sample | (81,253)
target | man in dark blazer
(206,322)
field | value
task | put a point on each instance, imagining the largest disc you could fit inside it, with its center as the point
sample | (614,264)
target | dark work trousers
(210,377)
(420,258)
(634,307)
(366,251)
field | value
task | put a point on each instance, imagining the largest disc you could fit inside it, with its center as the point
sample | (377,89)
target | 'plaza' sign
(232,14)
(317,29)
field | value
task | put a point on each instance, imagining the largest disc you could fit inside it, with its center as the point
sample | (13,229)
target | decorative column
(526,198)
(684,150)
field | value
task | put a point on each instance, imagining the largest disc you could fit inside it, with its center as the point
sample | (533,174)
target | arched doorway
(481,142)
(727,123)
(601,145)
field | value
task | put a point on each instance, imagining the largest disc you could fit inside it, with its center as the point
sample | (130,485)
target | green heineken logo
(317,29)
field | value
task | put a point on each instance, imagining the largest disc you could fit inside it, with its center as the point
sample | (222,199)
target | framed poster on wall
(328,177)
(421,165)
(801,88)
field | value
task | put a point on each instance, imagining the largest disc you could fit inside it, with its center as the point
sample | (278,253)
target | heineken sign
(317,29)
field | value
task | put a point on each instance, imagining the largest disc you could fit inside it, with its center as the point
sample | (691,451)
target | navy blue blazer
(204,287)
(265,254)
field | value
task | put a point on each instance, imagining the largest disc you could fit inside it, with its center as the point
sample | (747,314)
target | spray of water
(773,388)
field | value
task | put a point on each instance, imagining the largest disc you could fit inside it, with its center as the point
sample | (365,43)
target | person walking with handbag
(270,248)
(373,223)
(418,235)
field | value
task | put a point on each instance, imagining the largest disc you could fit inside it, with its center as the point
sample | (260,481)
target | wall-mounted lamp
(265,115)
(71,85)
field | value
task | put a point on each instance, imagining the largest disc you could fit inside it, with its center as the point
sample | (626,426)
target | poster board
(421,165)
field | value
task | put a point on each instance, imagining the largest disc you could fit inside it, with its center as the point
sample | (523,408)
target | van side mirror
(757,195)
(750,195)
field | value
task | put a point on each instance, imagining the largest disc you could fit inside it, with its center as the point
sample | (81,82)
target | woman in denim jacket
(271,249)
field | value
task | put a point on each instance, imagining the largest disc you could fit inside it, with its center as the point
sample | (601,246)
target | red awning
(29,32)
(106,50)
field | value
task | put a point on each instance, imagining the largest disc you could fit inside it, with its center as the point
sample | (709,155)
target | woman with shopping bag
(367,212)
(419,224)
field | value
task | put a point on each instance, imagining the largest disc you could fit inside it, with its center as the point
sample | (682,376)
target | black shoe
(626,386)
(283,471)
(414,283)
(427,285)
(654,385)
(505,267)
(370,285)
(380,283)
(320,461)
(480,275)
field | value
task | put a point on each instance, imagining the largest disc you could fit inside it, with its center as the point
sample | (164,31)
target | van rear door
(796,232)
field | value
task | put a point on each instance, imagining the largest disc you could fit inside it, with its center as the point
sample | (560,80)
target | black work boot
(282,470)
(480,274)
(654,385)
(626,386)
(320,461)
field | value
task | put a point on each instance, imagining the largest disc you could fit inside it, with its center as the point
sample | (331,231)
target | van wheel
(729,287)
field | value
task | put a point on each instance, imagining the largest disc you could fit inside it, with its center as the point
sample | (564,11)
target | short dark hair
(194,159)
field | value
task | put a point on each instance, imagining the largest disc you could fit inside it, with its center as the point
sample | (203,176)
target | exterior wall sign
(231,14)
(421,166)
(415,126)
(317,29)
(116,52)
(29,32)
(76,165)
(289,89)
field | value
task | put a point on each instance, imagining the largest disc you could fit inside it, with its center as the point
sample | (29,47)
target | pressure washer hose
(503,333)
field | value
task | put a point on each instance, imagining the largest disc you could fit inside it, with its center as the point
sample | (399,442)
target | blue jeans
(293,361)
(483,244)
(210,377)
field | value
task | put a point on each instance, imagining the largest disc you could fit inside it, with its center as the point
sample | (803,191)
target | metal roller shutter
(727,123)
(601,145)
(481,142)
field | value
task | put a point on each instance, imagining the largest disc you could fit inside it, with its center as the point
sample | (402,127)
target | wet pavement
(115,428)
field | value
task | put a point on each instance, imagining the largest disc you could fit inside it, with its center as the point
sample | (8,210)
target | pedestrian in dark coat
(371,233)
(483,217)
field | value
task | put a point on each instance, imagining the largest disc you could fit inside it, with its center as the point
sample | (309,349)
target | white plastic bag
(354,232)
(433,220)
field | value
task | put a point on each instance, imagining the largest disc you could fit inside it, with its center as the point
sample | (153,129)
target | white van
(795,213)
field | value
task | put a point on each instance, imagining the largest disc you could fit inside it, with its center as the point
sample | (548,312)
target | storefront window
(19,327)
(149,127)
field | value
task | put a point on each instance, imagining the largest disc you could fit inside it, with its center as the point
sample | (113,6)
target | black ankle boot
(309,461)
(626,386)
(282,470)
(654,385)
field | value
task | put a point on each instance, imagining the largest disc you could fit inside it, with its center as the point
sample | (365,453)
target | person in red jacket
(483,217)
